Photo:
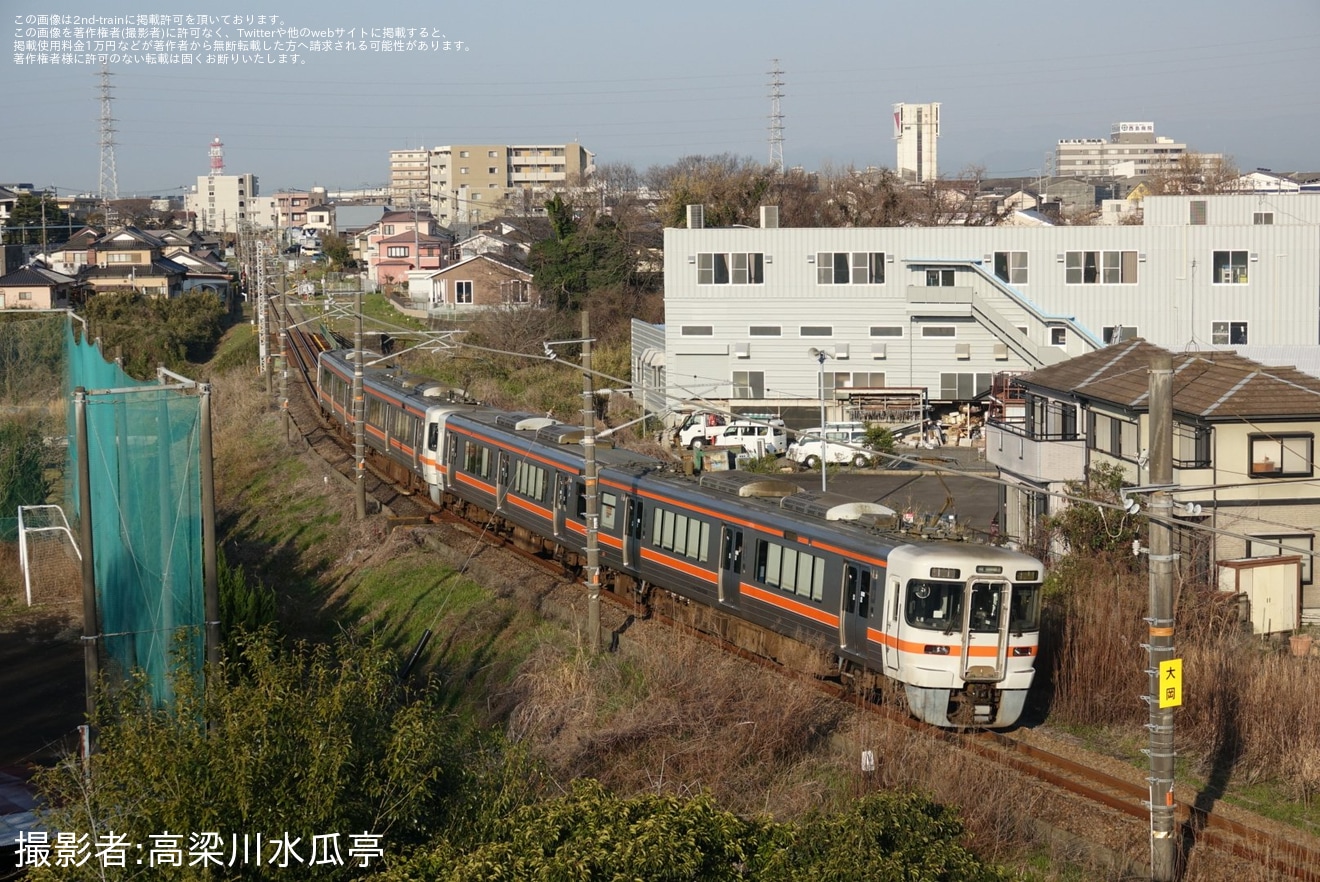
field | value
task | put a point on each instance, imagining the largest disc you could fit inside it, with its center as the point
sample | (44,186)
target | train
(950,627)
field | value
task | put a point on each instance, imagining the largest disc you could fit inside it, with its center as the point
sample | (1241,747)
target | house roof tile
(1214,385)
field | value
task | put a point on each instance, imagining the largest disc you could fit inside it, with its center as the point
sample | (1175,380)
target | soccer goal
(48,555)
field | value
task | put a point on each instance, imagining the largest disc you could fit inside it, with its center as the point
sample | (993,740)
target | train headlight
(936,650)
(1021,651)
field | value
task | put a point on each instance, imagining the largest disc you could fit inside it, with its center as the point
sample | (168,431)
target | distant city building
(1132,150)
(471,183)
(917,130)
(224,203)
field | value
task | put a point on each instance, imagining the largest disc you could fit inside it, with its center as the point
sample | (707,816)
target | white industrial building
(943,309)
(917,132)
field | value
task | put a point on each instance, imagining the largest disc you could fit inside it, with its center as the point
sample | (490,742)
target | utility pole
(91,630)
(359,413)
(1163,854)
(593,500)
(210,575)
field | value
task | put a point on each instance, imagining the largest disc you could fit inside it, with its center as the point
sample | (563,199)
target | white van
(843,443)
(756,438)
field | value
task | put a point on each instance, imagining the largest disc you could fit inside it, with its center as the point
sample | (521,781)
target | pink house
(403,241)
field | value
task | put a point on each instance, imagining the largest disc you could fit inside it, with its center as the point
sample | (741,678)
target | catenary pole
(359,414)
(592,500)
(1163,855)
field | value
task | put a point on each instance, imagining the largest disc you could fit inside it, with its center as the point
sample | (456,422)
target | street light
(820,355)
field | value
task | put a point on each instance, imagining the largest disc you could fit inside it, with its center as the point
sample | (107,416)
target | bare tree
(1196,174)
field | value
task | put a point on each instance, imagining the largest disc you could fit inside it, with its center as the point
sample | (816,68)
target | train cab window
(476,459)
(1024,611)
(936,606)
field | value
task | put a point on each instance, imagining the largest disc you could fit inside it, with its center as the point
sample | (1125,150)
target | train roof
(392,376)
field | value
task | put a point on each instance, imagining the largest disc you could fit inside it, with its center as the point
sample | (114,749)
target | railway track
(1283,854)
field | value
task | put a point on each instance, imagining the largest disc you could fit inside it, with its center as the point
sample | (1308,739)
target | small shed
(1271,588)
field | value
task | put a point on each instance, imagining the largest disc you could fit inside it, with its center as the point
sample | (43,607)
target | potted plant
(1302,641)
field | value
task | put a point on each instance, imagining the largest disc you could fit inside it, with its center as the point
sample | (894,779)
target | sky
(648,83)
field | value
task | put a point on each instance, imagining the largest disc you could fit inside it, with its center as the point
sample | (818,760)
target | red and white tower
(217,157)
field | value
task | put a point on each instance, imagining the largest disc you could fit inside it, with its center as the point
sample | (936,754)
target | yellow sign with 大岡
(1171,683)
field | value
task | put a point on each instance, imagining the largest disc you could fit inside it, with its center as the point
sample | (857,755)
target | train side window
(433,437)
(680,534)
(529,480)
(637,526)
(476,459)
(608,504)
(580,489)
(850,589)
(864,594)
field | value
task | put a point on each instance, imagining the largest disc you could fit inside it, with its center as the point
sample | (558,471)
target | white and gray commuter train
(768,564)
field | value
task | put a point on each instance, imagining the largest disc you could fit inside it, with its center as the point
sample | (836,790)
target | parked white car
(841,445)
(757,438)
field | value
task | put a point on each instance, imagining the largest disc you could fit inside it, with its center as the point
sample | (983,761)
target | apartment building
(224,203)
(466,184)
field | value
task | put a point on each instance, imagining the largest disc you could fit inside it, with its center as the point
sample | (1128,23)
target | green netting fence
(145,480)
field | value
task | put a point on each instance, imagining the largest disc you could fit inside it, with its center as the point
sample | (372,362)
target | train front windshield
(938,606)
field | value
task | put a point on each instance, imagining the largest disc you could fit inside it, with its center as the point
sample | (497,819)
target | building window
(1118,333)
(886,330)
(462,292)
(1191,446)
(816,331)
(854,380)
(1011,267)
(1262,218)
(737,268)
(1263,546)
(1228,333)
(963,387)
(697,330)
(1281,456)
(476,197)
(387,230)
(24,295)
(462,170)
(1058,336)
(1113,436)
(490,170)
(939,331)
(764,331)
(462,154)
(492,153)
(748,384)
(845,268)
(121,257)
(939,278)
(1229,268)
(1101,268)
(396,251)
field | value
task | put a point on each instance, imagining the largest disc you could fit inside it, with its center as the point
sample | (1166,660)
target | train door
(633,535)
(563,488)
(730,576)
(855,603)
(430,456)
(501,480)
(891,627)
(985,629)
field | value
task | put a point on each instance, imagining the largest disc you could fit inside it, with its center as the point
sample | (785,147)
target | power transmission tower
(109,185)
(776,119)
